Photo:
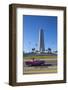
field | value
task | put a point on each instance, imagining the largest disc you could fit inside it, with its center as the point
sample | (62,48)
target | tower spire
(41,41)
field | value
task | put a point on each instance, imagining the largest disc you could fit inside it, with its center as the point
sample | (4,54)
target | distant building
(41,41)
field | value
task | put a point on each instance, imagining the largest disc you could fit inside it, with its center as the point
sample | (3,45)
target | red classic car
(37,63)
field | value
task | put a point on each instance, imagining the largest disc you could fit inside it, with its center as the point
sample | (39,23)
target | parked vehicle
(37,63)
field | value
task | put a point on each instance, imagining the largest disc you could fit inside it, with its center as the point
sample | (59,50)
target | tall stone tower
(41,41)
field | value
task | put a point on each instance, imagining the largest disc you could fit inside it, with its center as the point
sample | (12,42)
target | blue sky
(31,27)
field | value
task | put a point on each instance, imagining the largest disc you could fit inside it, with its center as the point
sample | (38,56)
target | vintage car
(36,63)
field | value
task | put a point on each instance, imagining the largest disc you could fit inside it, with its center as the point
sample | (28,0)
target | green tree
(49,50)
(33,49)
